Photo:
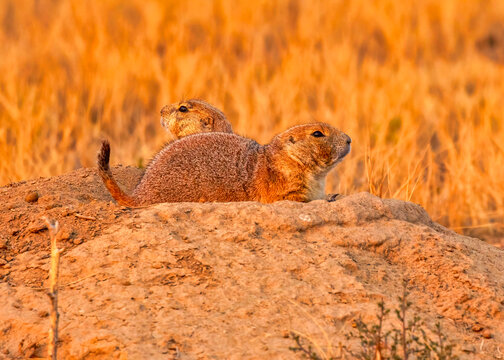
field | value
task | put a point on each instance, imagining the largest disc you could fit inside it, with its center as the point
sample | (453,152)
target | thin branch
(84,217)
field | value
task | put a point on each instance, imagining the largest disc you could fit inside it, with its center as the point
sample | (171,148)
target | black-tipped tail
(108,178)
(104,157)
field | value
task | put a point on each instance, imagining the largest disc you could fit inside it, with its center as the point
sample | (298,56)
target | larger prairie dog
(227,167)
(192,117)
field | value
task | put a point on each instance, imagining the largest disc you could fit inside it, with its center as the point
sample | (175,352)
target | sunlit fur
(200,117)
(227,167)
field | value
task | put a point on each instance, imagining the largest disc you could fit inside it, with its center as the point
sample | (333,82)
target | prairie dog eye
(317,134)
(183,109)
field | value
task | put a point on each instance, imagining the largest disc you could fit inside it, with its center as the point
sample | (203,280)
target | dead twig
(79,280)
(53,227)
(84,217)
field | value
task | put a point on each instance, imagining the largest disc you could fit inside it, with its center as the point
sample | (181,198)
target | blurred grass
(417,85)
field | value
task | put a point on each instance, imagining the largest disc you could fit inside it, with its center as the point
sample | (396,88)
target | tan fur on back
(227,167)
(198,117)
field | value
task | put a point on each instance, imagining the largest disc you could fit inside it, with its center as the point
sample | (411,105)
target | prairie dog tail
(108,178)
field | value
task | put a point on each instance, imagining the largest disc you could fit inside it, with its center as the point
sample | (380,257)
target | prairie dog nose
(348,139)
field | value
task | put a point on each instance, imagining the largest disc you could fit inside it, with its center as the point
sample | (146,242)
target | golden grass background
(419,86)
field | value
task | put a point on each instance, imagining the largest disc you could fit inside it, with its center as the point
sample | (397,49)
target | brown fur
(200,117)
(108,178)
(227,167)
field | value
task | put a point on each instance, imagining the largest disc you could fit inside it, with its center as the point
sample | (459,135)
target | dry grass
(417,85)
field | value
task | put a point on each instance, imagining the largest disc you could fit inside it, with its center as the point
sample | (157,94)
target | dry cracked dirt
(233,280)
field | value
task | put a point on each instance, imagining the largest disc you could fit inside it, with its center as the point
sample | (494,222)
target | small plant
(409,341)
(440,349)
(372,338)
(302,349)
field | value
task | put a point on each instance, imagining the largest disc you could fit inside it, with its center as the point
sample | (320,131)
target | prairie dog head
(316,148)
(192,117)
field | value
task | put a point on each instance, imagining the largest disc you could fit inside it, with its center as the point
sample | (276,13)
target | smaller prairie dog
(193,117)
(227,167)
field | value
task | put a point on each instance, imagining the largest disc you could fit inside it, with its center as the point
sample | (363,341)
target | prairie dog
(193,117)
(227,167)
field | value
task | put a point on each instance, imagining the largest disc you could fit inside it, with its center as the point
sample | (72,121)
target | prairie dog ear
(291,139)
(208,121)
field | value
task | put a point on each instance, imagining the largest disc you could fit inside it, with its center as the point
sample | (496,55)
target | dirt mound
(231,281)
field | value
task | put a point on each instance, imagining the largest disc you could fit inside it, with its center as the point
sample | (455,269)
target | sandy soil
(232,281)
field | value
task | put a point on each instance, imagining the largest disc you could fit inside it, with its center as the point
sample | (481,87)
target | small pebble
(469,349)
(17,304)
(64,235)
(12,205)
(486,334)
(477,328)
(32,197)
(157,265)
(43,313)
(35,228)
(78,241)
